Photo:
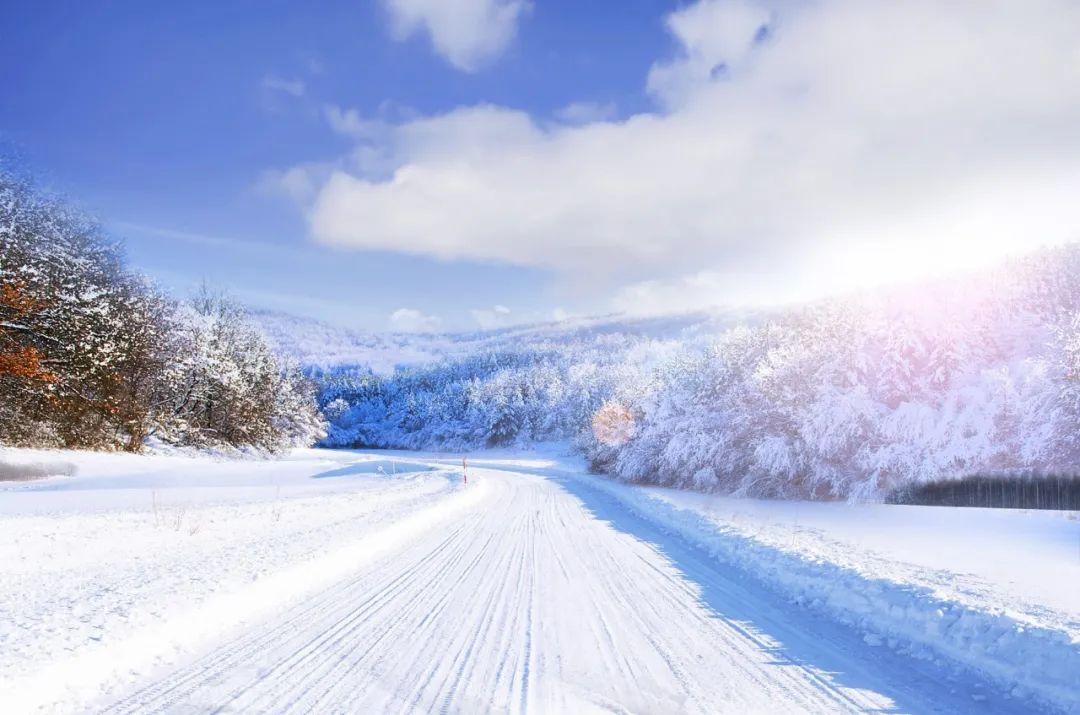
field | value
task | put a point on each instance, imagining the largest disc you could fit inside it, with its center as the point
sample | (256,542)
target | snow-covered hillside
(315,343)
(847,398)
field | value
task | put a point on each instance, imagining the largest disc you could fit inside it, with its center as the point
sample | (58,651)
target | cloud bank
(794,149)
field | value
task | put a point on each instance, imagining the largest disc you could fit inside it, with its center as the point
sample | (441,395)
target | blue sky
(444,164)
(162,117)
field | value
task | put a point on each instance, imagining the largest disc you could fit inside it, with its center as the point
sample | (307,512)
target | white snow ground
(135,560)
(318,583)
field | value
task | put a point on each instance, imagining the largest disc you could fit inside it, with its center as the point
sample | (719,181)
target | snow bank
(1023,561)
(1032,652)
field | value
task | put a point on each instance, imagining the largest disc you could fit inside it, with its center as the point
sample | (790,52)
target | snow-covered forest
(93,356)
(503,397)
(850,397)
(845,398)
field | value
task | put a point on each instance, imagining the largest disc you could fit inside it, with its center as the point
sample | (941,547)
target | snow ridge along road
(546,594)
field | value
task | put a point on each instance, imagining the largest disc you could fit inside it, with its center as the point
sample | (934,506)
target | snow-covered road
(545,594)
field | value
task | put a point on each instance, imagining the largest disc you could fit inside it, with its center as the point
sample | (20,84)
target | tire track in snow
(548,596)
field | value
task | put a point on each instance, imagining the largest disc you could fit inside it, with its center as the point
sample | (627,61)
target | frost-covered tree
(537,392)
(850,398)
(91,355)
(228,388)
(89,328)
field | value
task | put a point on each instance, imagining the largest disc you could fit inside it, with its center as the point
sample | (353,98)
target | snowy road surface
(547,595)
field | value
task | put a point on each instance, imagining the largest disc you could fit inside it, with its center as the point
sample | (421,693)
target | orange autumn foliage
(13,297)
(25,363)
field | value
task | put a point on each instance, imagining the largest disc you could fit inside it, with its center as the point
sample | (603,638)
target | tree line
(509,396)
(998,491)
(856,397)
(847,398)
(93,356)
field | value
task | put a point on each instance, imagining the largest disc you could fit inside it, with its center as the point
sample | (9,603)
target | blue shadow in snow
(379,467)
(764,617)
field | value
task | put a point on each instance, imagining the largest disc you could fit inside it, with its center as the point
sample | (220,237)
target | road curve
(549,596)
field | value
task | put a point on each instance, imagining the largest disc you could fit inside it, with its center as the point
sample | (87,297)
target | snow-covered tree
(91,355)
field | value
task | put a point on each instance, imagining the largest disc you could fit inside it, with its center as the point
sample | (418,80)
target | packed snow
(134,559)
(381,581)
(993,592)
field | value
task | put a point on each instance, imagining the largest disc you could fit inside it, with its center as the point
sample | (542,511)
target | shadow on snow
(384,467)
(765,617)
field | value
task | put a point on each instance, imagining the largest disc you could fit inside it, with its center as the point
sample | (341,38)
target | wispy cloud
(300,183)
(293,87)
(205,240)
(350,123)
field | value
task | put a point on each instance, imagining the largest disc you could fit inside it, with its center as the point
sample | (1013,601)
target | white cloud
(466,33)
(561,314)
(498,316)
(585,112)
(709,289)
(293,87)
(715,38)
(857,142)
(410,320)
(300,183)
(348,122)
(653,297)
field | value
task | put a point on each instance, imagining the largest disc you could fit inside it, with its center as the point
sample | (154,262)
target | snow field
(94,597)
(343,580)
(548,596)
(941,614)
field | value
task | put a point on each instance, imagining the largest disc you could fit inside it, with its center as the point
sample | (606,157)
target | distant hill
(315,343)
(849,397)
